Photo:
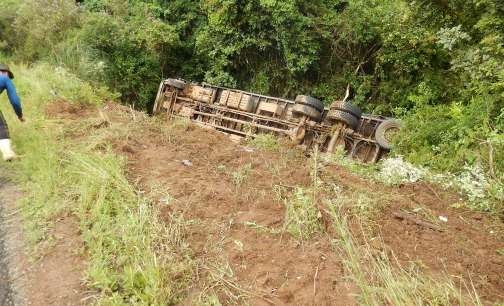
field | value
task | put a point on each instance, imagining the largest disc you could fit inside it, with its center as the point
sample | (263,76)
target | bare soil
(230,193)
(57,278)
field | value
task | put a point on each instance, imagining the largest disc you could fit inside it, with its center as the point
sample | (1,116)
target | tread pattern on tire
(345,117)
(310,101)
(348,107)
(308,111)
(382,129)
(176,83)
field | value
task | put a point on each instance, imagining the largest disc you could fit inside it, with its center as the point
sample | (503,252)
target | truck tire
(175,83)
(385,131)
(310,101)
(349,119)
(348,107)
(308,111)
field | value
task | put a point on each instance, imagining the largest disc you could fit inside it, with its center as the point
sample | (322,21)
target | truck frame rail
(305,120)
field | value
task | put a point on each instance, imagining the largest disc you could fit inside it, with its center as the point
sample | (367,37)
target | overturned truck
(305,120)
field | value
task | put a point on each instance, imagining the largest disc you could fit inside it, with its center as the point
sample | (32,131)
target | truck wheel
(175,83)
(344,117)
(348,107)
(308,111)
(310,101)
(386,131)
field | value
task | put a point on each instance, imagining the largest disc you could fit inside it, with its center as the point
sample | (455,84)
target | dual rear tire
(309,107)
(345,112)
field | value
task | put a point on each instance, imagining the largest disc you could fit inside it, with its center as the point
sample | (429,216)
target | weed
(395,171)
(302,218)
(339,157)
(180,123)
(266,142)
(123,232)
(261,228)
(134,258)
(239,176)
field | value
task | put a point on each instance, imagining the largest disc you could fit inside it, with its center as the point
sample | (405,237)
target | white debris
(473,182)
(187,163)
(443,218)
(396,171)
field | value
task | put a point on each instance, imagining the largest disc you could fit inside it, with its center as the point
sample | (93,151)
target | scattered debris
(409,217)
(443,218)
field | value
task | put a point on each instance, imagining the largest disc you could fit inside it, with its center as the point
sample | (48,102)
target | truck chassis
(305,120)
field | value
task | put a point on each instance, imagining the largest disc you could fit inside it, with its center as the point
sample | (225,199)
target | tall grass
(40,143)
(123,233)
(132,259)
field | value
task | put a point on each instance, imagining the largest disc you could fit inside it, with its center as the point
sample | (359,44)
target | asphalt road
(5,290)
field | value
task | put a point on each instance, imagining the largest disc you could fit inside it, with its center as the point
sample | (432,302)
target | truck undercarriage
(305,120)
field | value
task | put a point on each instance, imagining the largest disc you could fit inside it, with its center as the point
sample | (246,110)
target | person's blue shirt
(6,84)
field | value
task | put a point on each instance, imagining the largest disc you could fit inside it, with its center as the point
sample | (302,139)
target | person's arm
(14,98)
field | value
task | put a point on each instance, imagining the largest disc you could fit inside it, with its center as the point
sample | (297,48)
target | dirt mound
(62,109)
(227,188)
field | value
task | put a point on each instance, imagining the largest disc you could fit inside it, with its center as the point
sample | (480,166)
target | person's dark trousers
(4,129)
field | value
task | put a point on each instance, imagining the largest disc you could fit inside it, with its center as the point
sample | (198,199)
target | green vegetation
(368,262)
(435,64)
(302,218)
(265,142)
(134,258)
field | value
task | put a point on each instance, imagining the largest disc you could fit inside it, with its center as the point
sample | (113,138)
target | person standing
(6,77)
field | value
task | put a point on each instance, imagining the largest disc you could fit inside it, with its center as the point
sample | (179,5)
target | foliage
(41,24)
(133,256)
(266,142)
(435,64)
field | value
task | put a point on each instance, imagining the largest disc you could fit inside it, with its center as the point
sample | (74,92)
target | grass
(302,218)
(381,278)
(126,240)
(134,258)
(266,142)
(241,174)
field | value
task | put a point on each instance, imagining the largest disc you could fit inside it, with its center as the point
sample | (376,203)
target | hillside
(234,223)
(109,204)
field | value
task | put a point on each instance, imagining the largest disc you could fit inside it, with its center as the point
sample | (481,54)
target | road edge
(14,243)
